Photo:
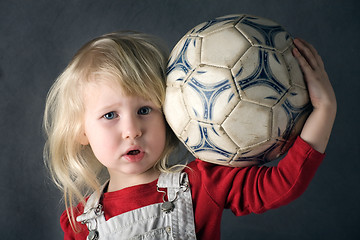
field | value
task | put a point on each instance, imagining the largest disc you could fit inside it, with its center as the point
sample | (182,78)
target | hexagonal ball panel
(261,76)
(183,59)
(294,108)
(263,152)
(175,110)
(248,124)
(298,97)
(210,94)
(281,121)
(208,142)
(265,33)
(205,28)
(223,48)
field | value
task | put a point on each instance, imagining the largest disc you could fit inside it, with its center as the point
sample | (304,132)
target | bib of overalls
(172,219)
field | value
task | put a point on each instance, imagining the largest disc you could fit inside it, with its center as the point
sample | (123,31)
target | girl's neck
(120,182)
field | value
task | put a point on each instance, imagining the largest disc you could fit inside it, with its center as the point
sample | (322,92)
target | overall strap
(169,180)
(92,211)
(179,194)
(172,182)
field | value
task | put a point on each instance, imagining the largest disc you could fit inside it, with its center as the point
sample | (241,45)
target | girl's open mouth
(133,152)
(135,155)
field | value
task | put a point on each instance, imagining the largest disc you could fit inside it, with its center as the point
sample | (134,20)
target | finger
(306,52)
(314,52)
(305,66)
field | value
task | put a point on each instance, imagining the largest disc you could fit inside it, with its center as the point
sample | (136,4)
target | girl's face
(126,133)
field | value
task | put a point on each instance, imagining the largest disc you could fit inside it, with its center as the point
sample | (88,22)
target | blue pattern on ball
(208,94)
(263,75)
(206,144)
(268,32)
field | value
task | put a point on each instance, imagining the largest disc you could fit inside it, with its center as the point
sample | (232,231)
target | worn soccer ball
(235,94)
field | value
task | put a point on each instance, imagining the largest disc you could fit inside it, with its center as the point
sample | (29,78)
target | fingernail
(296,52)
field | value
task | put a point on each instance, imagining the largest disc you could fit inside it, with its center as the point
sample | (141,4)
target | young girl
(108,145)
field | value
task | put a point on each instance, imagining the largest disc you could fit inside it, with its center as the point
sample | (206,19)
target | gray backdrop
(38,38)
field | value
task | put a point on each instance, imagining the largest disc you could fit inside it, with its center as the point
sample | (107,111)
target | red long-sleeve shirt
(213,187)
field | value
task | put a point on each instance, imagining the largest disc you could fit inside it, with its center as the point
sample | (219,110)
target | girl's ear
(83,140)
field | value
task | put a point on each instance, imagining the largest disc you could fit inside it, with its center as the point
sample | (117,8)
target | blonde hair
(135,61)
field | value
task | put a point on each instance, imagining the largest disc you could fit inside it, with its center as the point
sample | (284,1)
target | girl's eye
(144,110)
(110,115)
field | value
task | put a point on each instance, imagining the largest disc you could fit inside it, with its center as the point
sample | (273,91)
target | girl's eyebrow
(116,104)
(106,108)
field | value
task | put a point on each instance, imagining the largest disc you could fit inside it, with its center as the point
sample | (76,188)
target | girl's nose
(131,128)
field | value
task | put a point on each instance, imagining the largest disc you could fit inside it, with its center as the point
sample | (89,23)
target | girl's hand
(319,86)
(318,126)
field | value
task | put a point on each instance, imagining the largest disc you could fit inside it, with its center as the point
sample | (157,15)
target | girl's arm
(318,126)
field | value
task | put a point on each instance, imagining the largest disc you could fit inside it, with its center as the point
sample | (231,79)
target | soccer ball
(235,94)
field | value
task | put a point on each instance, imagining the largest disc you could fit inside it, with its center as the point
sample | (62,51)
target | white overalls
(173,219)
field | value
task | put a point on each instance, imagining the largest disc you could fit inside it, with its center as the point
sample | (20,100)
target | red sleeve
(257,189)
